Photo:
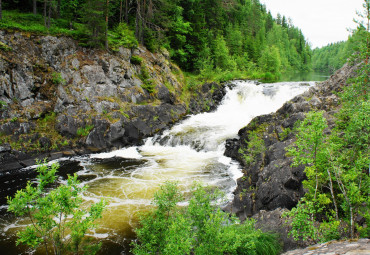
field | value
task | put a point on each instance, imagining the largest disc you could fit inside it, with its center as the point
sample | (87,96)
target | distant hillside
(333,56)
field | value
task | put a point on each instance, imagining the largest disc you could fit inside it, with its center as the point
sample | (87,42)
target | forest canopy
(200,35)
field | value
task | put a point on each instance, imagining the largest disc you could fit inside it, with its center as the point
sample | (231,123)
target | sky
(321,21)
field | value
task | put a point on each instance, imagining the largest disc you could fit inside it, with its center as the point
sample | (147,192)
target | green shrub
(136,60)
(191,84)
(35,24)
(285,133)
(255,147)
(57,218)
(57,79)
(148,84)
(199,228)
(122,36)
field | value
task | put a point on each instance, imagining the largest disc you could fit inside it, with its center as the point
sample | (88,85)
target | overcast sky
(321,21)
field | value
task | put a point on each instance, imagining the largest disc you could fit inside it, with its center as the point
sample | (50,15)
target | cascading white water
(190,151)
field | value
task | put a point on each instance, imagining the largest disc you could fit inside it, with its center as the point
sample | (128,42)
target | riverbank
(59,99)
(269,181)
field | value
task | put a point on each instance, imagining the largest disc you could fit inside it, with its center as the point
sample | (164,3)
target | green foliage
(14,20)
(255,147)
(199,228)
(203,37)
(285,133)
(93,15)
(123,36)
(333,56)
(148,83)
(270,60)
(303,226)
(57,79)
(58,220)
(336,167)
(136,60)
(84,131)
(222,58)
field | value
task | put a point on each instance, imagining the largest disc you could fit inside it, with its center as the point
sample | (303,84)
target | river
(192,150)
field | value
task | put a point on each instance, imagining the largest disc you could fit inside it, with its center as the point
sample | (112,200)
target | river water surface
(190,151)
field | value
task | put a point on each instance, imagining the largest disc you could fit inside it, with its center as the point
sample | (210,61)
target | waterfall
(190,151)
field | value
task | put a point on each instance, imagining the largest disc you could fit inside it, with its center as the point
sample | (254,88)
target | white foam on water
(130,152)
(191,150)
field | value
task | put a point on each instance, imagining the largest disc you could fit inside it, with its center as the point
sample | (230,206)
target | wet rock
(269,181)
(231,148)
(210,95)
(291,120)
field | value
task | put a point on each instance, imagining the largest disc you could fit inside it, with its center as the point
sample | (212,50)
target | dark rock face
(269,182)
(57,98)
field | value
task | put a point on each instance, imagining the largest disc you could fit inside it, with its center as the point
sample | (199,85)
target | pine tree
(94,14)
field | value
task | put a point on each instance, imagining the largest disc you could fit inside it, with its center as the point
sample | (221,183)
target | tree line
(333,56)
(199,34)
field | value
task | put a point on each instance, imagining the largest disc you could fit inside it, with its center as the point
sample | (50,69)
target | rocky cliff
(59,99)
(269,182)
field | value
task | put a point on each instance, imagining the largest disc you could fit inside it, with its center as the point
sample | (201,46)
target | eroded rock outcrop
(59,97)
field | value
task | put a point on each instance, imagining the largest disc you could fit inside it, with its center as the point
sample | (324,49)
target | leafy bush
(256,146)
(58,220)
(148,84)
(136,60)
(199,228)
(57,79)
(122,36)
